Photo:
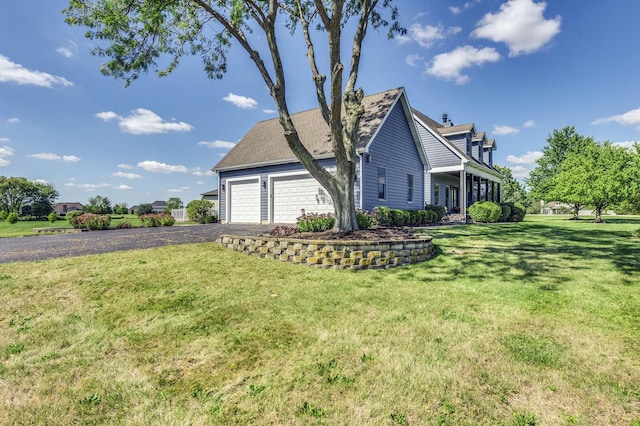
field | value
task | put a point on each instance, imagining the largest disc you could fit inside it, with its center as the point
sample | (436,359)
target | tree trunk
(576,210)
(599,214)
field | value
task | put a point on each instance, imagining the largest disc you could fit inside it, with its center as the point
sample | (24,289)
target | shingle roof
(490,143)
(265,142)
(462,128)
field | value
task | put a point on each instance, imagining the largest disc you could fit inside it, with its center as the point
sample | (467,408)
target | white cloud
(65,51)
(455,10)
(178,190)
(217,144)
(144,122)
(412,60)
(501,129)
(200,182)
(5,140)
(426,35)
(126,175)
(629,118)
(125,166)
(529,158)
(13,120)
(55,157)
(154,166)
(519,24)
(269,111)
(5,151)
(626,144)
(519,172)
(241,101)
(449,65)
(529,123)
(87,186)
(124,187)
(198,172)
(10,72)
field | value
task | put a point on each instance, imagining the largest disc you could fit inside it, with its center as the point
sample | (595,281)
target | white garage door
(244,201)
(292,194)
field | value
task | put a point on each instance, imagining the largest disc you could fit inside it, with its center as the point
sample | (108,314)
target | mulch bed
(373,234)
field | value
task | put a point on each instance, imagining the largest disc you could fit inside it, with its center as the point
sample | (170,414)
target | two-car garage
(288,196)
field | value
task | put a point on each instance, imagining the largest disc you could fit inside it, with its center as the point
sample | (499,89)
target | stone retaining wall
(335,254)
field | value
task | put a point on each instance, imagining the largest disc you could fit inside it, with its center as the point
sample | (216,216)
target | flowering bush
(315,222)
(90,221)
(152,220)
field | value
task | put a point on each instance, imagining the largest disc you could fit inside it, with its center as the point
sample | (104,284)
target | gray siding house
(459,164)
(260,180)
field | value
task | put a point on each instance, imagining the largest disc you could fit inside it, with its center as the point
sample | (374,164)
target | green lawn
(514,324)
(25,228)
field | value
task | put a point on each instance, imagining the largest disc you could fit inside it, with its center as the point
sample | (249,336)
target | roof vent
(444,118)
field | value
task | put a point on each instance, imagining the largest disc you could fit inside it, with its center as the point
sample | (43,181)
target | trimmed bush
(400,217)
(518,212)
(365,219)
(71,215)
(505,215)
(315,222)
(439,210)
(152,220)
(12,218)
(91,221)
(201,211)
(3,215)
(485,211)
(383,216)
(393,217)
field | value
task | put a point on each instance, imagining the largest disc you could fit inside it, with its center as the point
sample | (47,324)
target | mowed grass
(512,324)
(25,228)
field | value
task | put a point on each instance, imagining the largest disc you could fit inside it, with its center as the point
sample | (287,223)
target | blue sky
(518,69)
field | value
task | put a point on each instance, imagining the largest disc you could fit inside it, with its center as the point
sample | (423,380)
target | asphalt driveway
(25,249)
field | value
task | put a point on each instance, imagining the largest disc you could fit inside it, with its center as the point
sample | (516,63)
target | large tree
(17,192)
(140,34)
(98,205)
(599,175)
(542,179)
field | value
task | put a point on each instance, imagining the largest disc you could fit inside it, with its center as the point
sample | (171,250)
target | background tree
(174,203)
(512,190)
(560,144)
(98,205)
(599,175)
(144,209)
(44,195)
(142,34)
(18,192)
(121,208)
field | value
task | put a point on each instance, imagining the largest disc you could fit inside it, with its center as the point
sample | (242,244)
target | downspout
(360,178)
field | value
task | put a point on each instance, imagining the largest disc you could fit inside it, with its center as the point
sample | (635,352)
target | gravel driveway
(25,249)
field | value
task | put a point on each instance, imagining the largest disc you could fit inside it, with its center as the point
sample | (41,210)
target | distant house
(158,206)
(62,209)
(212,197)
(404,161)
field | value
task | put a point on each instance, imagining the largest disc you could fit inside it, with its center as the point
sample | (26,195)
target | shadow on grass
(530,250)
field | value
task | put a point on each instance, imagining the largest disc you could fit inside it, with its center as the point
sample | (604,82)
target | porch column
(463,194)
(479,192)
(499,192)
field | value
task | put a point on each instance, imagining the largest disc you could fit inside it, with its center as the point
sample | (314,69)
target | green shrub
(71,215)
(12,217)
(201,211)
(383,215)
(91,221)
(400,217)
(485,211)
(3,215)
(518,212)
(505,215)
(145,208)
(439,210)
(53,216)
(152,220)
(365,219)
(315,222)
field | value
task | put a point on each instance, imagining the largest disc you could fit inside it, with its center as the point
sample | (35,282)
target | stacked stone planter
(335,254)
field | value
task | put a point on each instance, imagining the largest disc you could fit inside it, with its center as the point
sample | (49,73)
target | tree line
(579,171)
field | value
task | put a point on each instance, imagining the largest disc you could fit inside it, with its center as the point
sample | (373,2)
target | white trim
(228,182)
(446,169)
